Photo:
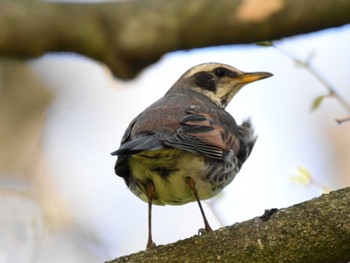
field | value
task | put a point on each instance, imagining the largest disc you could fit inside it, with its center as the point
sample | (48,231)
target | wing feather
(206,135)
(187,142)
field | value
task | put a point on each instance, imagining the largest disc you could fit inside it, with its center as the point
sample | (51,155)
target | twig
(211,206)
(340,121)
(331,90)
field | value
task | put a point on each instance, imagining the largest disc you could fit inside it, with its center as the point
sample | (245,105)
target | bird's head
(217,81)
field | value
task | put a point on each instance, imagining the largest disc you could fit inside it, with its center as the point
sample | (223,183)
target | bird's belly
(168,170)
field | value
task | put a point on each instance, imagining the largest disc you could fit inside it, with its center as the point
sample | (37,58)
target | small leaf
(317,102)
(302,177)
(264,43)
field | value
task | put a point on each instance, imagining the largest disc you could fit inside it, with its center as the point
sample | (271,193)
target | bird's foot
(205,230)
(150,244)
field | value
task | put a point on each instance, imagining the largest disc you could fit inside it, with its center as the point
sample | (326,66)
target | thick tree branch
(130,35)
(311,232)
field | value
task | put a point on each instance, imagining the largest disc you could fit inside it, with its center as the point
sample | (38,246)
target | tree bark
(128,36)
(311,232)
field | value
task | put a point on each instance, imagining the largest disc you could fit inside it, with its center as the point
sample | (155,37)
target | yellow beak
(253,76)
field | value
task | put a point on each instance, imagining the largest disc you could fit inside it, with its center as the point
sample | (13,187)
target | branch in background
(128,36)
(332,93)
(340,121)
(311,232)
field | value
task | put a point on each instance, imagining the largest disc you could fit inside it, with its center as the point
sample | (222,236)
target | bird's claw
(151,245)
(202,231)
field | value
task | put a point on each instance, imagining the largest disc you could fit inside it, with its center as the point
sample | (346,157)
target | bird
(186,147)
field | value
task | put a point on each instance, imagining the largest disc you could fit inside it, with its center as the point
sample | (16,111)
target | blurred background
(59,197)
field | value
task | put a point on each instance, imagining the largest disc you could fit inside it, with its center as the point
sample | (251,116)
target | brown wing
(211,135)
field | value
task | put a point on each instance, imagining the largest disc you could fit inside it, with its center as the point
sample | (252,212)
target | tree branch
(311,232)
(130,35)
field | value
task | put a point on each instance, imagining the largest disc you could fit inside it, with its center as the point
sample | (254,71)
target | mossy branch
(311,232)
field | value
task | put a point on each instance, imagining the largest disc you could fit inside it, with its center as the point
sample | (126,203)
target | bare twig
(313,71)
(340,121)
(211,206)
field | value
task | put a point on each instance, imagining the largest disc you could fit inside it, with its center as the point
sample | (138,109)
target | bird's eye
(223,72)
(220,72)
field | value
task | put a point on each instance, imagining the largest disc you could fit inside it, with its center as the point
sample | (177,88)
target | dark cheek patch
(206,81)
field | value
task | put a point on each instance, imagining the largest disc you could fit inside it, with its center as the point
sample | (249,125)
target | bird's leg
(150,191)
(192,185)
